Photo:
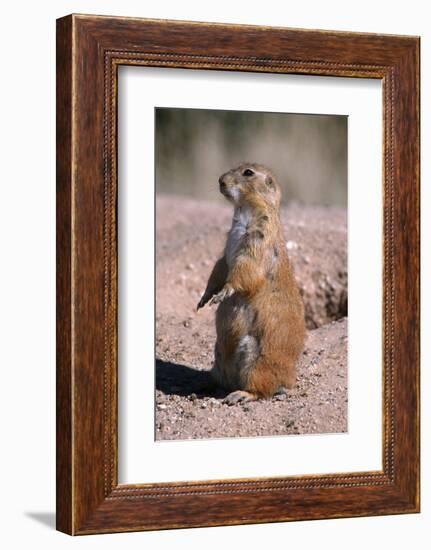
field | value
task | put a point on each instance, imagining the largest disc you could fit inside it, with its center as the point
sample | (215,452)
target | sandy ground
(190,237)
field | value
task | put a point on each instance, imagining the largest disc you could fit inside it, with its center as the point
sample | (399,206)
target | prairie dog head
(250,184)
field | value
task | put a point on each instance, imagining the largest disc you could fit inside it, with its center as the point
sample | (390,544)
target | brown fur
(260,319)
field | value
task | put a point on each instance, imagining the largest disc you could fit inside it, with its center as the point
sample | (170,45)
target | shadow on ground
(174,379)
(45,518)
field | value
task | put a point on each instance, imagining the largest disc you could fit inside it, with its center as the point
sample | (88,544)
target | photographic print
(202,207)
(251,274)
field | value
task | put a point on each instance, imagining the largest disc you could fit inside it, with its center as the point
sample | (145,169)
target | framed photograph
(237,274)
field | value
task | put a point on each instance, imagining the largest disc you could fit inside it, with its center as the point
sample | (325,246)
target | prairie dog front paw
(202,302)
(226,292)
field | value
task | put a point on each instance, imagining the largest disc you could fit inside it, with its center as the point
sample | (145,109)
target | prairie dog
(260,318)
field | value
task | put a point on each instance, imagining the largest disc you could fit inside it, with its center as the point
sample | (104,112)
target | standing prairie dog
(260,317)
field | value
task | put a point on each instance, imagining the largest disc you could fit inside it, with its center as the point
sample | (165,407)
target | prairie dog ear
(269,181)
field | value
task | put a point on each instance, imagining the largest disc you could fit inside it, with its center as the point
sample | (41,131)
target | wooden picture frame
(89,51)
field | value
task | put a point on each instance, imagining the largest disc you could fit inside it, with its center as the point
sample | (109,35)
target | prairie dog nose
(221,181)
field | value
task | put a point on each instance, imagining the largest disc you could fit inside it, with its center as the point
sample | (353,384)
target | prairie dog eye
(247,172)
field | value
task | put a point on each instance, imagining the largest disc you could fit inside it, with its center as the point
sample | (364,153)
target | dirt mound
(190,236)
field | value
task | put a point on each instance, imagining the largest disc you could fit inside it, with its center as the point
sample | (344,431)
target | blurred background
(307,153)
